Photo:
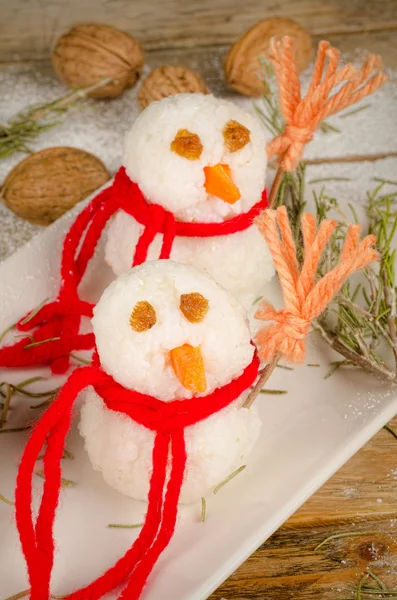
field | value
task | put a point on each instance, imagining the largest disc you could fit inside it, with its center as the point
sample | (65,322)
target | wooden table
(362,496)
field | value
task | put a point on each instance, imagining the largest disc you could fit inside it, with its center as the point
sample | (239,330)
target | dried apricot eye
(194,306)
(143,316)
(187,145)
(236,136)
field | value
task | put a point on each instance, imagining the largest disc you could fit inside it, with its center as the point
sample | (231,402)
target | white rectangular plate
(307,435)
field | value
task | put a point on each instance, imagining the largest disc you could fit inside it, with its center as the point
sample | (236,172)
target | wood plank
(28,30)
(361,496)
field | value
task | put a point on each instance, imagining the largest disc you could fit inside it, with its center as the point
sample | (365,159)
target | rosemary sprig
(27,125)
(229,478)
(366,314)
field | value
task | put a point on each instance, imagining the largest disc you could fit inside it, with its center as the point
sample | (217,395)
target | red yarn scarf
(58,323)
(168,421)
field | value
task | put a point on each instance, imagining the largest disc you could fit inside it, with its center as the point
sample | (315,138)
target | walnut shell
(87,54)
(241,64)
(168,81)
(48,183)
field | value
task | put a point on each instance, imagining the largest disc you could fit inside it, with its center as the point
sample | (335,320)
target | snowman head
(168,330)
(201,158)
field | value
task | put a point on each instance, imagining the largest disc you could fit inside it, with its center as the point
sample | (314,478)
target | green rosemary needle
(121,526)
(354,111)
(322,179)
(80,359)
(274,392)
(19,595)
(6,405)
(4,333)
(64,482)
(34,312)
(16,429)
(41,342)
(388,428)
(203,509)
(338,536)
(229,478)
(378,580)
(360,585)
(4,499)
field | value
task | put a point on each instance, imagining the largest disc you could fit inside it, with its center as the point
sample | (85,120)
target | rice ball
(141,360)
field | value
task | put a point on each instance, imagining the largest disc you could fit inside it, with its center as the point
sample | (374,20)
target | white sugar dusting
(99,128)
(351,492)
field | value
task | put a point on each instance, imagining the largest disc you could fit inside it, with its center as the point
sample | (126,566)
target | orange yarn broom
(333,88)
(304,297)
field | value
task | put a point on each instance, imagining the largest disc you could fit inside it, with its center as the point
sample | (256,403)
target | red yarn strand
(62,317)
(168,421)
(170,512)
(117,574)
(23,493)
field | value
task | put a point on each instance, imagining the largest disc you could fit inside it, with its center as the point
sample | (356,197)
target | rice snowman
(203,159)
(170,331)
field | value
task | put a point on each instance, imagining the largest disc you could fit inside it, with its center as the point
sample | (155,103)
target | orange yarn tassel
(303,116)
(304,298)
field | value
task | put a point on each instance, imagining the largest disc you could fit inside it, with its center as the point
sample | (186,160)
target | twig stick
(368,365)
(268,370)
(350,158)
(275,187)
(68,99)
(263,377)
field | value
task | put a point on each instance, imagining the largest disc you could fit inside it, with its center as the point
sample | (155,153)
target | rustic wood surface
(362,496)
(28,29)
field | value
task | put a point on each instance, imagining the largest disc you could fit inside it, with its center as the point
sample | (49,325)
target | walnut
(236,136)
(187,144)
(143,317)
(241,64)
(48,183)
(88,54)
(168,81)
(194,307)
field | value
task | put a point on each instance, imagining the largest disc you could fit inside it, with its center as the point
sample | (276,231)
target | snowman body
(146,360)
(204,160)
(238,261)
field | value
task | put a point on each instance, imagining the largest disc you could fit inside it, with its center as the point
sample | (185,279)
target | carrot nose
(219,182)
(188,365)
